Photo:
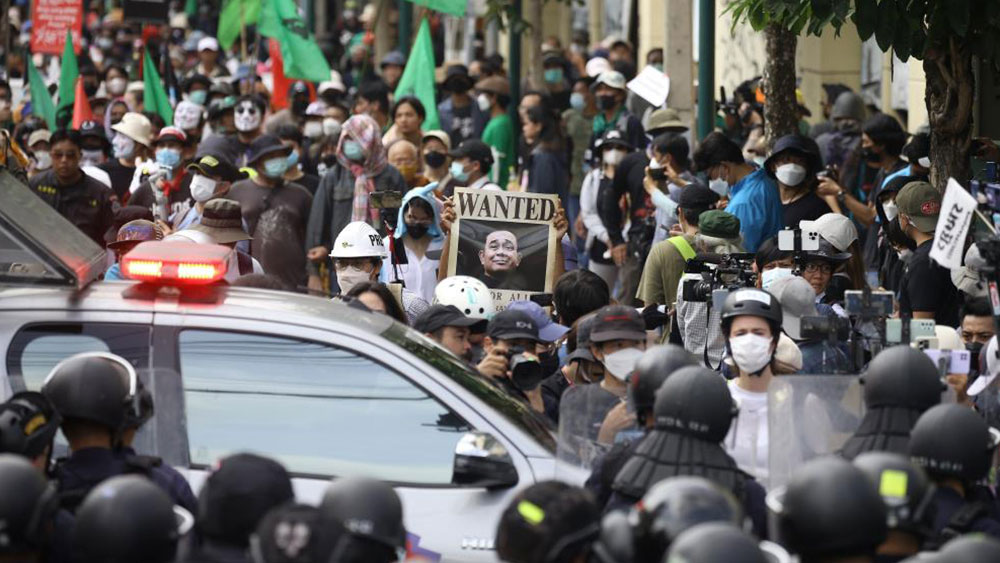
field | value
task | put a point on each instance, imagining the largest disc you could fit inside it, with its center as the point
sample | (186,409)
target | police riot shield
(583,410)
(809,416)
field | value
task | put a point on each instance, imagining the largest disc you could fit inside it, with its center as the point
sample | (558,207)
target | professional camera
(720,274)
(525,370)
(834,329)
(388,203)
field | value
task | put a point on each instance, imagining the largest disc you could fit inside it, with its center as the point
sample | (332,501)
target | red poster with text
(49,21)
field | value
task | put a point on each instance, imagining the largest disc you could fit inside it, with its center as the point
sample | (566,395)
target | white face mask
(773,275)
(91,157)
(313,129)
(43,160)
(124,147)
(116,86)
(247,120)
(331,127)
(202,188)
(621,363)
(790,174)
(484,102)
(613,156)
(751,352)
(924,161)
(350,277)
(719,186)
(891,210)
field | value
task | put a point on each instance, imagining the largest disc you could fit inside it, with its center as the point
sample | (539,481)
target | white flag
(953,225)
(651,85)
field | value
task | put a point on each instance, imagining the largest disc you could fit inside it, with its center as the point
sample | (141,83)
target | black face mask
(435,159)
(417,230)
(549,361)
(89,88)
(870,155)
(607,101)
(974,348)
(329,159)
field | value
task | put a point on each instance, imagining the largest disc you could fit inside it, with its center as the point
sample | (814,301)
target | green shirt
(662,273)
(499,134)
(579,128)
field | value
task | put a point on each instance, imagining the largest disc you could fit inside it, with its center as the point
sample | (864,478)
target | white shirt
(747,440)
(420,275)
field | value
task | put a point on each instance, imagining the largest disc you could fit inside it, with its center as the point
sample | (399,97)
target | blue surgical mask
(553,75)
(458,172)
(577,101)
(168,157)
(293,159)
(353,151)
(275,167)
(198,97)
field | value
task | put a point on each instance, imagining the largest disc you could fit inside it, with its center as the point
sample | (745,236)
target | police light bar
(176,263)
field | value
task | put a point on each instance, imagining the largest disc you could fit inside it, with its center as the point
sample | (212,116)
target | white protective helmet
(468,294)
(358,240)
(190,235)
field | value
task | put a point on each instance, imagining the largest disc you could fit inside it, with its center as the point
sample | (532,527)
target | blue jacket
(755,201)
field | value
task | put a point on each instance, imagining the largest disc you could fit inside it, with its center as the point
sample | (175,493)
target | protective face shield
(247,117)
(790,174)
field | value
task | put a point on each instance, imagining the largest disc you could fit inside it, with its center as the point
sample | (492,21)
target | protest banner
(953,225)
(505,239)
(50,19)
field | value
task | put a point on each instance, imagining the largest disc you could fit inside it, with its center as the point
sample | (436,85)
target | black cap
(584,327)
(618,322)
(197,79)
(697,196)
(798,145)
(456,79)
(217,166)
(615,138)
(94,129)
(266,144)
(440,316)
(508,325)
(475,150)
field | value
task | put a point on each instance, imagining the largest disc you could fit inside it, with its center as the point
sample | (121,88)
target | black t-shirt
(86,203)
(807,208)
(927,286)
(309,182)
(628,180)
(121,177)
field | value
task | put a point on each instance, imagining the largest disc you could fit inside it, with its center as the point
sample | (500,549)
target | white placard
(953,225)
(651,85)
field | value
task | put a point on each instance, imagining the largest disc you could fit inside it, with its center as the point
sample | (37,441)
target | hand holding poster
(953,225)
(50,19)
(505,239)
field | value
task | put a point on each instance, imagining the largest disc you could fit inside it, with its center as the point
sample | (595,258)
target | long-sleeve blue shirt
(755,201)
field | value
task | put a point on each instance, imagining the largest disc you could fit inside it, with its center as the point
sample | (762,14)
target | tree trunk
(533,76)
(949,92)
(780,109)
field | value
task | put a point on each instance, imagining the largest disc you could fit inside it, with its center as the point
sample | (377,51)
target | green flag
(302,57)
(418,76)
(234,15)
(67,84)
(154,95)
(41,100)
(453,7)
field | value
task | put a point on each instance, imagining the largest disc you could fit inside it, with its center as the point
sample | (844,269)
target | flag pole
(243,32)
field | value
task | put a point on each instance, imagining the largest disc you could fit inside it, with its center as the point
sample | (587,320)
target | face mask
(751,352)
(924,162)
(202,188)
(91,157)
(247,118)
(790,174)
(322,169)
(621,363)
(116,86)
(891,210)
(974,348)
(350,277)
(719,186)
(408,171)
(549,362)
(434,159)
(275,167)
(577,101)
(105,43)
(43,160)
(773,275)
(331,127)
(870,155)
(293,159)
(613,157)
(353,151)
(417,230)
(313,129)
(168,157)
(657,66)
(483,101)
(606,102)
(553,75)
(458,172)
(198,97)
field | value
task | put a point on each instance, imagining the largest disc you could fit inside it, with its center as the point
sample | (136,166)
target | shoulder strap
(683,246)
(142,464)
(961,522)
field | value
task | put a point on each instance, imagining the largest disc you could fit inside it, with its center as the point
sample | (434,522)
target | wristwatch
(841,197)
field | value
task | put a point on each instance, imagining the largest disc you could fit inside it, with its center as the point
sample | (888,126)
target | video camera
(720,274)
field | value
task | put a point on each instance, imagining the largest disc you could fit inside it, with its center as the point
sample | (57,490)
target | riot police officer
(294,533)
(828,512)
(548,522)
(671,506)
(900,383)
(693,411)
(98,396)
(954,446)
(973,548)
(28,423)
(28,506)
(907,492)
(715,541)
(371,513)
(128,518)
(652,369)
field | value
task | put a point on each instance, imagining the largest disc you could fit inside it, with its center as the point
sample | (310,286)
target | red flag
(81,105)
(279,99)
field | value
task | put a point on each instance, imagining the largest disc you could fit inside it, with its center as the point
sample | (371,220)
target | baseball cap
(475,150)
(596,66)
(316,109)
(509,325)
(440,136)
(208,44)
(494,85)
(439,316)
(837,230)
(697,196)
(611,78)
(921,203)
(548,331)
(827,253)
(136,231)
(171,134)
(394,58)
(717,223)
(798,299)
(93,129)
(217,166)
(584,327)
(39,136)
(618,322)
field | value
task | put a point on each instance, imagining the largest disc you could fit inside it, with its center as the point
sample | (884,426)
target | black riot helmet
(294,533)
(651,371)
(677,504)
(902,376)
(28,423)
(713,542)
(27,505)
(754,303)
(238,494)
(695,401)
(548,522)
(128,518)
(828,509)
(952,441)
(96,387)
(366,508)
(905,489)
(970,548)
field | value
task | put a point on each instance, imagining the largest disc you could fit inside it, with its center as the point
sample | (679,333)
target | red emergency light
(176,263)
